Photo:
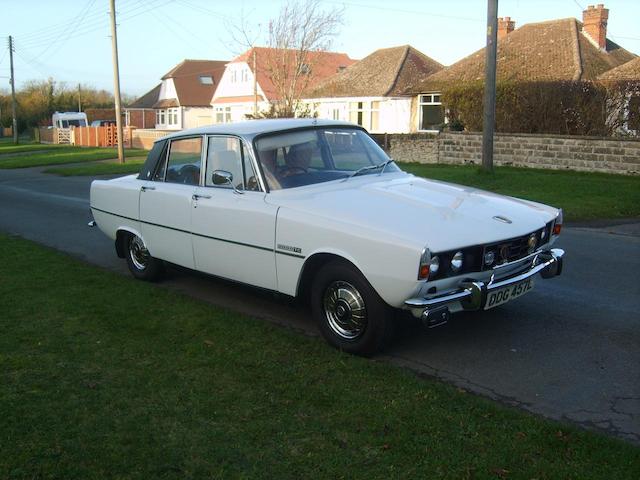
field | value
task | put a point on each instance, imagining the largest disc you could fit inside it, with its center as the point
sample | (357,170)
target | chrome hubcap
(345,310)
(139,253)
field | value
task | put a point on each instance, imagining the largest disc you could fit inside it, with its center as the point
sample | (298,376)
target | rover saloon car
(316,209)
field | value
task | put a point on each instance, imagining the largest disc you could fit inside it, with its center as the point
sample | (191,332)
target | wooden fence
(106,136)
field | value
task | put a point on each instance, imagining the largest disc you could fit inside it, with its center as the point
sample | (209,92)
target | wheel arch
(313,264)
(121,234)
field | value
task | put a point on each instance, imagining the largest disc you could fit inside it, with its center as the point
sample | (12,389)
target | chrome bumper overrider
(472,295)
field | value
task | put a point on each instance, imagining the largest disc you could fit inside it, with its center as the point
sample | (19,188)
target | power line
(63,37)
(398,10)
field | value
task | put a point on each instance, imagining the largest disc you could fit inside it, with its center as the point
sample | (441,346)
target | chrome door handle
(144,188)
(195,196)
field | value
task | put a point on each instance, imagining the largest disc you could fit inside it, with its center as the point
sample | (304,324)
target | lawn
(106,377)
(582,195)
(131,165)
(8,147)
(67,154)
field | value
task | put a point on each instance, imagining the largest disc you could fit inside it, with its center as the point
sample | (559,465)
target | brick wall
(591,154)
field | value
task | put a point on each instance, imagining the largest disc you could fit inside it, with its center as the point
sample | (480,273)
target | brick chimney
(595,24)
(505,26)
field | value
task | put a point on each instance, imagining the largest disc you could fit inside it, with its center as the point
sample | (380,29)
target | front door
(166,203)
(233,228)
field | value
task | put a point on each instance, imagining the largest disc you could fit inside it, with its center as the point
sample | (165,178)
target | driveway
(570,350)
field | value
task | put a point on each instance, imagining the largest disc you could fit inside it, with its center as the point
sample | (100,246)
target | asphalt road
(569,350)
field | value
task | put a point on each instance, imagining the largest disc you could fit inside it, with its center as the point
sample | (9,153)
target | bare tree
(301,29)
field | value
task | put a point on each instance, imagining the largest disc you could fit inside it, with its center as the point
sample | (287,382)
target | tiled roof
(147,100)
(386,72)
(554,50)
(629,71)
(322,65)
(186,78)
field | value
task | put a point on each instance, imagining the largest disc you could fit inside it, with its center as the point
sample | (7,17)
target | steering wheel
(287,171)
(189,174)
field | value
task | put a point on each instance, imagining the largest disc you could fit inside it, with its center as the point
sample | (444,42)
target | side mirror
(222,177)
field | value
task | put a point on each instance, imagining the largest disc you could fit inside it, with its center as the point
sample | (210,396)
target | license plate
(503,295)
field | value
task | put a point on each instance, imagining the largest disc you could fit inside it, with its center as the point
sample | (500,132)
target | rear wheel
(349,312)
(140,262)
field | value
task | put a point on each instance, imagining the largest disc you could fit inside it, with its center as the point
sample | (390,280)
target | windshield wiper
(382,165)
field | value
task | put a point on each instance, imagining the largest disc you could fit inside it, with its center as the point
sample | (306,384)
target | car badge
(502,219)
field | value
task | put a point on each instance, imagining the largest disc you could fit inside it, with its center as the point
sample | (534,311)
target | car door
(233,228)
(166,202)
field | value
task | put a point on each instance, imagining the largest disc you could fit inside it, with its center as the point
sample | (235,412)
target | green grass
(65,155)
(582,195)
(7,148)
(106,377)
(131,165)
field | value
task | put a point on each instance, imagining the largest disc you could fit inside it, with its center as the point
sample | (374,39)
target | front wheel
(350,314)
(140,262)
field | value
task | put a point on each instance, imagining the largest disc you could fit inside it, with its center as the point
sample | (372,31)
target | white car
(315,209)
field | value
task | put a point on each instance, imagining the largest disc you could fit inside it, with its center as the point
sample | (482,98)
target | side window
(224,154)
(250,177)
(155,162)
(184,161)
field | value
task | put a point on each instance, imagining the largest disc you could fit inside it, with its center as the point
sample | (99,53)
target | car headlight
(456,261)
(434,266)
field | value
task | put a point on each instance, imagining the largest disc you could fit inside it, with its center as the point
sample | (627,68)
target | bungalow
(374,91)
(185,94)
(249,84)
(564,50)
(140,113)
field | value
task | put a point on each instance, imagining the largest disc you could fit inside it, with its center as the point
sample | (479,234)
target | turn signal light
(424,271)
(556,228)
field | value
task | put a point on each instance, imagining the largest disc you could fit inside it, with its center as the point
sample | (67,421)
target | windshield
(304,157)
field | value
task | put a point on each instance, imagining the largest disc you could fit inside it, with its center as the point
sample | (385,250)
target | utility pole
(79,99)
(255,85)
(14,125)
(116,79)
(489,114)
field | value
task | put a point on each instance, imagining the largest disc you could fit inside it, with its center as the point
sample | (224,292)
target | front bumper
(472,295)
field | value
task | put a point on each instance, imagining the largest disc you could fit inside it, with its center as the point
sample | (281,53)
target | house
(140,113)
(623,83)
(375,92)
(564,50)
(185,94)
(253,82)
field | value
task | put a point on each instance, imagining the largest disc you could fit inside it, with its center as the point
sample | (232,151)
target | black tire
(141,264)
(350,314)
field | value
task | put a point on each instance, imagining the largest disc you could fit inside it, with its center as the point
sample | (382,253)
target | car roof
(251,128)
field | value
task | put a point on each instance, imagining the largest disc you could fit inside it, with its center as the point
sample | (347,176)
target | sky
(69,40)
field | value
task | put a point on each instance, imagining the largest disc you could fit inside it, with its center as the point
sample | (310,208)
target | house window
(223,114)
(234,76)
(365,114)
(206,80)
(375,116)
(356,113)
(127,118)
(245,75)
(172,116)
(305,69)
(431,112)
(335,114)
(160,117)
